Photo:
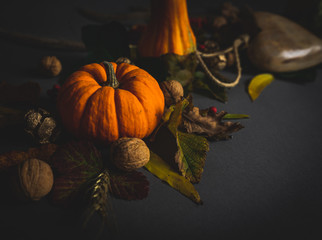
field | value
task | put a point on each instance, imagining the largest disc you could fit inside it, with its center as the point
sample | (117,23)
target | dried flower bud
(35,179)
(173,91)
(129,153)
(51,66)
(41,126)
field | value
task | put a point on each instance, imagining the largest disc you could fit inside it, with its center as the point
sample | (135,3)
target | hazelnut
(51,66)
(129,153)
(35,179)
(173,91)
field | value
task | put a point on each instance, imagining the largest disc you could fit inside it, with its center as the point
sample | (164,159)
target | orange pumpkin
(103,102)
(169,30)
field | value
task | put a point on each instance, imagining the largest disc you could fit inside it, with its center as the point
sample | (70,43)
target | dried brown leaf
(209,125)
(13,158)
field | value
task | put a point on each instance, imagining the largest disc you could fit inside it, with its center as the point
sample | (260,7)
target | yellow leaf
(258,83)
(163,171)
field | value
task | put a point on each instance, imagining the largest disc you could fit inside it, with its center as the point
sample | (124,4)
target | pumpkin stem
(111,77)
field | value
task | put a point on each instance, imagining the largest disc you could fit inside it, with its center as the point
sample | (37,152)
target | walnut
(35,179)
(50,66)
(41,126)
(123,60)
(173,91)
(129,153)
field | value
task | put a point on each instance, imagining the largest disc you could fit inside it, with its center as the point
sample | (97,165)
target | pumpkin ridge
(151,88)
(66,89)
(108,122)
(76,77)
(69,103)
(73,80)
(118,115)
(130,124)
(83,118)
(146,110)
(123,69)
(150,93)
(97,71)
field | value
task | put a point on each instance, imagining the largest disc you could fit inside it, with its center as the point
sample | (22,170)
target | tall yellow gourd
(169,30)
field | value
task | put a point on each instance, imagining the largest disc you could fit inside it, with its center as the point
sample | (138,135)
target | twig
(37,41)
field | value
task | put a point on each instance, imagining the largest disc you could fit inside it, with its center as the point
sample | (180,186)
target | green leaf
(129,185)
(192,149)
(202,86)
(74,164)
(258,83)
(235,116)
(180,68)
(106,42)
(170,67)
(192,153)
(176,116)
(163,171)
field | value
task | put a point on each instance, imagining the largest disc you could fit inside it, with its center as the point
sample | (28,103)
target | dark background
(265,183)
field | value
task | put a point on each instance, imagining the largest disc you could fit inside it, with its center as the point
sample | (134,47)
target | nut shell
(51,66)
(173,91)
(129,153)
(41,126)
(35,179)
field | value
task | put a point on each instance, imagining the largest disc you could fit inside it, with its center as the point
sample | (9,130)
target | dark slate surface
(265,183)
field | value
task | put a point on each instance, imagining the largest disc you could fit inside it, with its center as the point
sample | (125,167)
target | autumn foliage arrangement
(94,156)
(109,119)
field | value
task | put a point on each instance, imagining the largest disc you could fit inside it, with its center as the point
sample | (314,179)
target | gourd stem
(111,77)
(239,41)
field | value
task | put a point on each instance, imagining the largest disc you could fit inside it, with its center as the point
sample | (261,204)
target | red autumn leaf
(13,158)
(74,164)
(129,185)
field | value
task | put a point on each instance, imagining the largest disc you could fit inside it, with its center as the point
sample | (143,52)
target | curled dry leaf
(129,185)
(209,125)
(74,164)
